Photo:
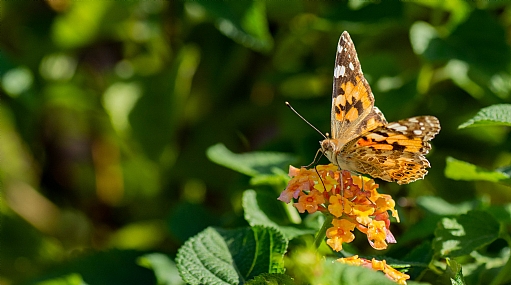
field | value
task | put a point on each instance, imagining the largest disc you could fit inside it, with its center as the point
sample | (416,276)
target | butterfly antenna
(301,117)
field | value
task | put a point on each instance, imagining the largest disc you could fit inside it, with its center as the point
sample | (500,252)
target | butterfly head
(328,147)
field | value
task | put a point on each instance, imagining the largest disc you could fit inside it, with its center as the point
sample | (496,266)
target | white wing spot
(351,66)
(397,127)
(339,48)
(413,120)
(417,132)
(339,70)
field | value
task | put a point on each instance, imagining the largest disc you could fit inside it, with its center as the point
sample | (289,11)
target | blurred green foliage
(108,109)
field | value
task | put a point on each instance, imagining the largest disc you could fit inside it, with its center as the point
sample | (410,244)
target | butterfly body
(362,140)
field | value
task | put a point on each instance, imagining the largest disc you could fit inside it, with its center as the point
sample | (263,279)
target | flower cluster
(379,265)
(352,200)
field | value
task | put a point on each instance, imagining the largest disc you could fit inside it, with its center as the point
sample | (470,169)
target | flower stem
(320,236)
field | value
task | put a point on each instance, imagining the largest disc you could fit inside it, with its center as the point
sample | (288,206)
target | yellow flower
(376,234)
(339,233)
(339,205)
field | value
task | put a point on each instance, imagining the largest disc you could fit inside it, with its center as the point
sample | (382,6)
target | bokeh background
(108,108)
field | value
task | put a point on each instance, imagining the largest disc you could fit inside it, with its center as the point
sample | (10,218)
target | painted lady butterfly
(361,139)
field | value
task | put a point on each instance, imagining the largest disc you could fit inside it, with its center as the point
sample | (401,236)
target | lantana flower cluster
(352,200)
(354,203)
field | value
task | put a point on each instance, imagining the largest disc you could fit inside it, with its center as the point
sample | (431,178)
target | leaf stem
(503,275)
(320,236)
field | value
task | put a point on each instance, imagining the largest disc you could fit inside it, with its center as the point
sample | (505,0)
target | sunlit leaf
(495,115)
(80,25)
(439,206)
(251,164)
(217,256)
(164,268)
(461,170)
(466,233)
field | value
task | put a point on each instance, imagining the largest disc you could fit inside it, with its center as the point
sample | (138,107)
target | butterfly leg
(315,168)
(316,159)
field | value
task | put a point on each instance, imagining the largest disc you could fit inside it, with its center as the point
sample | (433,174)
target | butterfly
(362,141)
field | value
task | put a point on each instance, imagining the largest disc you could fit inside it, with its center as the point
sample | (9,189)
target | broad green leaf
(464,234)
(495,115)
(243,21)
(261,208)
(164,268)
(71,279)
(461,170)
(216,256)
(251,164)
(271,279)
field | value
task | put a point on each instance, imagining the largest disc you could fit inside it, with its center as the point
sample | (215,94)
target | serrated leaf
(464,234)
(461,170)
(263,209)
(495,115)
(216,256)
(271,279)
(454,271)
(164,268)
(251,164)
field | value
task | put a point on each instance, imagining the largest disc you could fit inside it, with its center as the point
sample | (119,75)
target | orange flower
(309,202)
(379,265)
(352,199)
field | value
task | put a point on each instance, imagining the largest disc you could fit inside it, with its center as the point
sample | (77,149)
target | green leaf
(461,170)
(263,209)
(71,279)
(271,279)
(216,256)
(243,21)
(453,273)
(495,115)
(466,233)
(251,164)
(439,206)
(164,268)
